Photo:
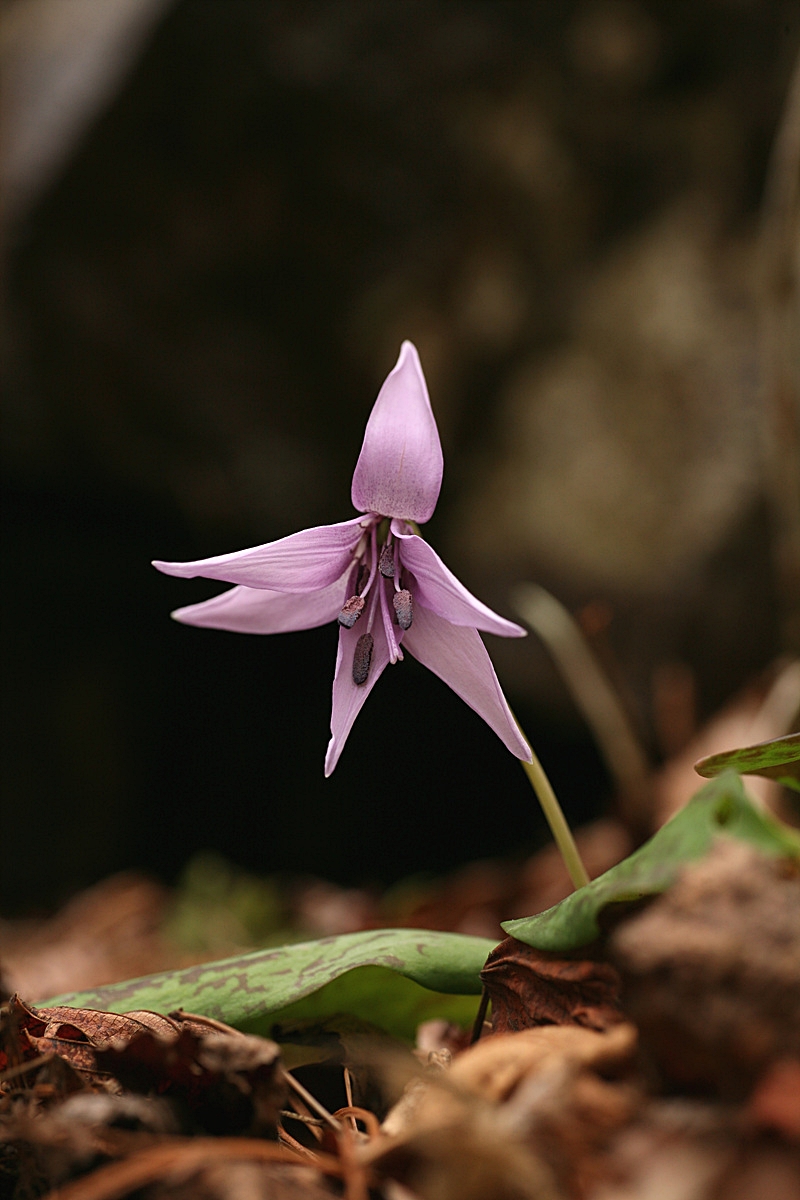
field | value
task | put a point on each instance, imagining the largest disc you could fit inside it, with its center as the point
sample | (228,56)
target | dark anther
(404,609)
(362,658)
(386,562)
(351,611)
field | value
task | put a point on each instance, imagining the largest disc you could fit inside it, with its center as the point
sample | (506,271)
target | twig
(179,1014)
(286,1139)
(361,1114)
(296,1116)
(311,1101)
(348,1091)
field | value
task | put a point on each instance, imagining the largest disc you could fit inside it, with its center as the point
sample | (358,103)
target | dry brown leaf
(227,1081)
(74,1034)
(495,1066)
(530,987)
(526,1104)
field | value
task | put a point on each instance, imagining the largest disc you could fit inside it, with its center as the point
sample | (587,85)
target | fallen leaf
(229,1083)
(74,1034)
(516,1115)
(530,987)
(495,1066)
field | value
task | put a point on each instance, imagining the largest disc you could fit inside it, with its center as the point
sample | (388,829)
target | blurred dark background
(221,217)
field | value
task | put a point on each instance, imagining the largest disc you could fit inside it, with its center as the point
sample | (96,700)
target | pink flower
(375,573)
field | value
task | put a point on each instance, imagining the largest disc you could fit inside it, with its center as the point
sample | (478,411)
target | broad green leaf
(720,807)
(777,759)
(393,978)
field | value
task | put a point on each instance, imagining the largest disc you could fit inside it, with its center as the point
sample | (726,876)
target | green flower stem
(556,820)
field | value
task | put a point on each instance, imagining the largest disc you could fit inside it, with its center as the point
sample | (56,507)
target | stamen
(395,653)
(362,658)
(386,564)
(404,608)
(351,611)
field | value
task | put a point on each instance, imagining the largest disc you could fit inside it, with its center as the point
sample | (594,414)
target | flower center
(378,574)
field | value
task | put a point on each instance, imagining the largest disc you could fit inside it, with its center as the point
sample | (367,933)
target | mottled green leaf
(721,807)
(777,759)
(393,978)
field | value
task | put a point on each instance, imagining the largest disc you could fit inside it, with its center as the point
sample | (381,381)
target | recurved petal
(458,656)
(301,562)
(399,470)
(257,610)
(349,697)
(438,589)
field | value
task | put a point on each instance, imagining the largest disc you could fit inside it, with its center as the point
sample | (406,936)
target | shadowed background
(221,219)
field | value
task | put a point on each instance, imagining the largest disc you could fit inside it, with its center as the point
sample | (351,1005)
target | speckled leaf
(393,978)
(721,807)
(777,759)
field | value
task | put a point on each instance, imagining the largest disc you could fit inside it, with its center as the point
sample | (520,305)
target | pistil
(375,567)
(395,653)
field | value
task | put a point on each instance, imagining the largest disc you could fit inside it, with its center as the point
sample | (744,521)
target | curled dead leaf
(536,1094)
(530,987)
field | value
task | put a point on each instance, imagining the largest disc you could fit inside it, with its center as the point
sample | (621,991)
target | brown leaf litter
(666,1063)
(531,987)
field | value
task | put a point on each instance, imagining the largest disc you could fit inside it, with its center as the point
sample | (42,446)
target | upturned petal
(257,610)
(458,656)
(301,562)
(349,697)
(399,470)
(437,588)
